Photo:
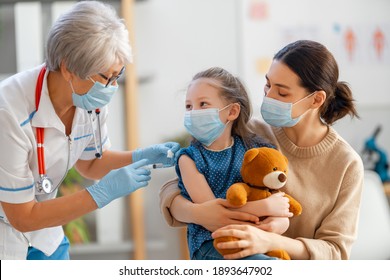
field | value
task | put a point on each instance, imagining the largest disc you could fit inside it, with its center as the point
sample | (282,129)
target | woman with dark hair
(303,98)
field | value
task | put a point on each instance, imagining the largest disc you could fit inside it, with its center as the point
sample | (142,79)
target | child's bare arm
(194,182)
(274,205)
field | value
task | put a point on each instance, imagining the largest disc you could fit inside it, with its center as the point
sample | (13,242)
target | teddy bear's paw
(295,206)
(225,239)
(237,194)
(296,209)
(280,254)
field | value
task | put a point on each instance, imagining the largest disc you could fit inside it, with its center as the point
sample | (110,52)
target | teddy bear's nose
(282,178)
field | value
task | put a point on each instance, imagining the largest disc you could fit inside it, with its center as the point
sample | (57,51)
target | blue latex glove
(120,182)
(157,153)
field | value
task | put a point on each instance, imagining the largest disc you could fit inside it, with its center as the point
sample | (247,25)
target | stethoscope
(98,149)
(44,183)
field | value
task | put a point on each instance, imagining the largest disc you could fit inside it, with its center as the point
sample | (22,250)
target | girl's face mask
(278,113)
(98,96)
(205,125)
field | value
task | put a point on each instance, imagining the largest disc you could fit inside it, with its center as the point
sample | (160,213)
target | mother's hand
(252,240)
(214,214)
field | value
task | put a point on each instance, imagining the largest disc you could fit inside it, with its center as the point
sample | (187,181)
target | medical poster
(356,32)
(363,43)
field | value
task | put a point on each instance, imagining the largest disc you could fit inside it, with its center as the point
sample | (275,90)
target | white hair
(89,38)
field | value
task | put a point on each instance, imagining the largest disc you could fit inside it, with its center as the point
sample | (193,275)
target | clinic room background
(173,40)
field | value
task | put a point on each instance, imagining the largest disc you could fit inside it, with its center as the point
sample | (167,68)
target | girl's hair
(89,38)
(318,70)
(232,90)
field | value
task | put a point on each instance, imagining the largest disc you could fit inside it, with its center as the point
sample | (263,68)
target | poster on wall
(356,32)
(363,43)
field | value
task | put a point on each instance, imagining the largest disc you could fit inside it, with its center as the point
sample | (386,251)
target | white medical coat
(18,155)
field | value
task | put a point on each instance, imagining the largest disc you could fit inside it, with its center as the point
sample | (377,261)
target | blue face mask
(205,125)
(98,96)
(278,113)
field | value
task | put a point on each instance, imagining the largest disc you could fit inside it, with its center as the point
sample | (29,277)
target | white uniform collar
(46,115)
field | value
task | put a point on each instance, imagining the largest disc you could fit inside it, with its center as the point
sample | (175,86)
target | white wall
(175,40)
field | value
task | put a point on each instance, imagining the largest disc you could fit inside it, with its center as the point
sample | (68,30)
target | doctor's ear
(234,111)
(319,99)
(65,72)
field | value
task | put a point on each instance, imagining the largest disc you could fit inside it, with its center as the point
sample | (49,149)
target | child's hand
(277,205)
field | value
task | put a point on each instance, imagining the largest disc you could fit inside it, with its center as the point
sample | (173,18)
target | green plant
(73,177)
(184,139)
(77,230)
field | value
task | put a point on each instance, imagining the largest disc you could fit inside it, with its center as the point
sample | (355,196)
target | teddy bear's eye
(275,168)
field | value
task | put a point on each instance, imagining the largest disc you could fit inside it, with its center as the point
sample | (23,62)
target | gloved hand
(120,182)
(157,153)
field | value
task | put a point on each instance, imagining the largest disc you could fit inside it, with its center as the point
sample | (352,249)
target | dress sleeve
(16,178)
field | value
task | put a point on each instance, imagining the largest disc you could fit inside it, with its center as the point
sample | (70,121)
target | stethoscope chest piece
(44,184)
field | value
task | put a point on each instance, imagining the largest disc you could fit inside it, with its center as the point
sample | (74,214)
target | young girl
(218,110)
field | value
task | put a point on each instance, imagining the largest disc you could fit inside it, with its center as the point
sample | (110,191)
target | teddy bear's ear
(251,154)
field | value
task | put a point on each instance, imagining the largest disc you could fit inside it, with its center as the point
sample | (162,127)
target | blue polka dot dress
(221,169)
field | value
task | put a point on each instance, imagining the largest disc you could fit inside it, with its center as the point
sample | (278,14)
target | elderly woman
(54,117)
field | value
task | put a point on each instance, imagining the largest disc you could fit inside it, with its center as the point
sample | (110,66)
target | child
(217,112)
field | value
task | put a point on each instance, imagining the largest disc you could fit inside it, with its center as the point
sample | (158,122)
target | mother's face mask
(278,113)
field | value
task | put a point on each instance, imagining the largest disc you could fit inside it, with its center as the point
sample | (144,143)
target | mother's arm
(213,214)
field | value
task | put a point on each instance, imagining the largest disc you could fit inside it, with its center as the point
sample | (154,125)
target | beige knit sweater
(327,179)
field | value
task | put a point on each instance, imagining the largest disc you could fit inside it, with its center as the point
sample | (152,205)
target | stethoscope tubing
(40,130)
(41,151)
(44,184)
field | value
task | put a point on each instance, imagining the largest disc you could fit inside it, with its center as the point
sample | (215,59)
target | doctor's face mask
(97,96)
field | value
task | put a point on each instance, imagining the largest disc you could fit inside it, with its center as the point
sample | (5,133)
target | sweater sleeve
(167,194)
(335,235)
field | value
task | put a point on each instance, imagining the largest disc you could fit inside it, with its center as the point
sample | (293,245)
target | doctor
(54,117)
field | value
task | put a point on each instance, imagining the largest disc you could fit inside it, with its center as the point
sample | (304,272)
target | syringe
(170,154)
(156,166)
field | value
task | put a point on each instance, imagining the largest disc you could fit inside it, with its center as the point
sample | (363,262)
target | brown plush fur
(264,171)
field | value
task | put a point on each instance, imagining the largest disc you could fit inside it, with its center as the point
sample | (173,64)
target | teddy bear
(264,172)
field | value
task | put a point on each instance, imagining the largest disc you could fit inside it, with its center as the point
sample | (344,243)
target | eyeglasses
(112,79)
